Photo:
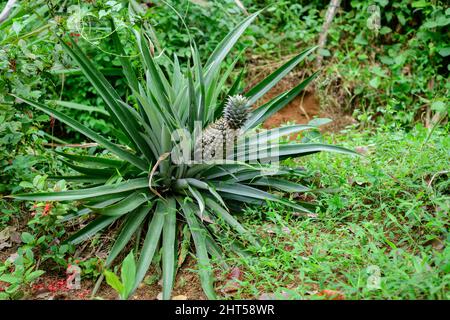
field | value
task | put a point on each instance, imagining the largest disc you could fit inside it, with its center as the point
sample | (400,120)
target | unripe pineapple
(218,139)
(235,112)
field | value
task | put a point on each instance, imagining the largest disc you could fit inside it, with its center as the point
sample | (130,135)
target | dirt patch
(301,110)
(53,287)
(187,285)
(304,107)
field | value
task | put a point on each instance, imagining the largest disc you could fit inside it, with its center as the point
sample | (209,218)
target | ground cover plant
(384,235)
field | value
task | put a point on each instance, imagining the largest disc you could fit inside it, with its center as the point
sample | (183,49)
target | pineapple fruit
(218,139)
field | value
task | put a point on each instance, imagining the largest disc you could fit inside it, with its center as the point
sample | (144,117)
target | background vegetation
(392,208)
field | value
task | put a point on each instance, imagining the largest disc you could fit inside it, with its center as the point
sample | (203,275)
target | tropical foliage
(383,80)
(141,186)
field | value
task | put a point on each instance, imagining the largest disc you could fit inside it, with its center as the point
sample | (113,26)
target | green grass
(385,215)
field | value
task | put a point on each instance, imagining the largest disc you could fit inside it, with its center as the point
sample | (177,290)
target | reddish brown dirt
(52,287)
(304,107)
(187,284)
(299,111)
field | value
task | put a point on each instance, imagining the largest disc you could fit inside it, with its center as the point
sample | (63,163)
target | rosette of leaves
(150,196)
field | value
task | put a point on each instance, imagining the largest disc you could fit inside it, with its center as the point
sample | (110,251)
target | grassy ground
(383,234)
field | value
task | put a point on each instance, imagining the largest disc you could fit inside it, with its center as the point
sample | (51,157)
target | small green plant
(153,180)
(125,285)
(18,271)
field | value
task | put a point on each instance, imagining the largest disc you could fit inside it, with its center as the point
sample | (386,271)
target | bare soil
(304,107)
(52,286)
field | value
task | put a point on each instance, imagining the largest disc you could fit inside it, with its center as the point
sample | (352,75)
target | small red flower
(3,286)
(47,209)
(38,286)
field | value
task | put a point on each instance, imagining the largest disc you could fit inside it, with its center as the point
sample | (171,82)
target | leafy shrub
(392,73)
(18,271)
(18,132)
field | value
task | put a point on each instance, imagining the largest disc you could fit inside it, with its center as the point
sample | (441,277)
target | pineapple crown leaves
(236,111)
(115,185)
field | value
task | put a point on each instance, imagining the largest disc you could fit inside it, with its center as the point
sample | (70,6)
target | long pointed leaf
(150,243)
(85,211)
(125,155)
(262,138)
(245,191)
(126,64)
(91,160)
(260,114)
(228,218)
(168,248)
(131,225)
(91,229)
(126,205)
(283,185)
(78,106)
(90,171)
(198,234)
(85,193)
(122,117)
(221,51)
(268,83)
(292,150)
(197,196)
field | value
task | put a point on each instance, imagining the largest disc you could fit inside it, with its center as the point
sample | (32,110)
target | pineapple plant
(136,186)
